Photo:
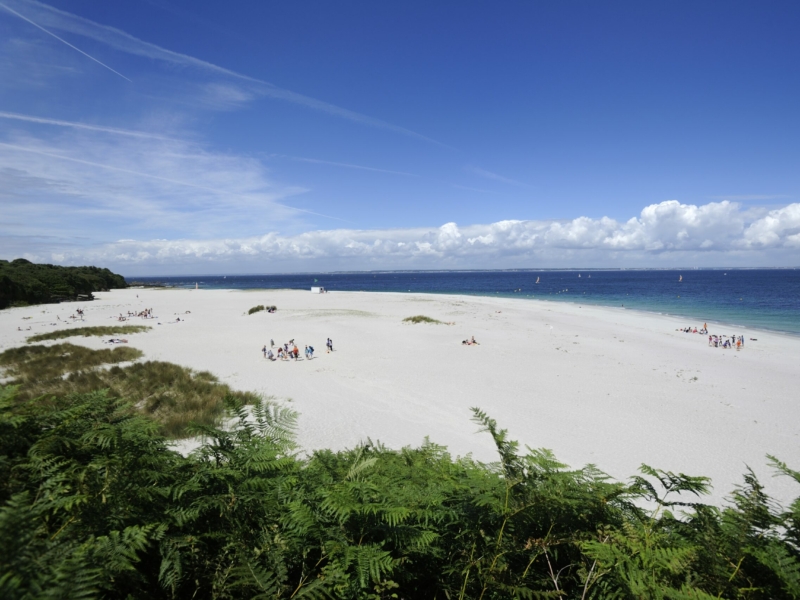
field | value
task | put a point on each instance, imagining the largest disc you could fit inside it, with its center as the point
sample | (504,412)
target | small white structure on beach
(317,290)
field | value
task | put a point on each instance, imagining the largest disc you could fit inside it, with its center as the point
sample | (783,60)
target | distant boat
(579,275)
(537,280)
(589,276)
(680,278)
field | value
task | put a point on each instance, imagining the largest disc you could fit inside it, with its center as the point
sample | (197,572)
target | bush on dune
(96,504)
(421,319)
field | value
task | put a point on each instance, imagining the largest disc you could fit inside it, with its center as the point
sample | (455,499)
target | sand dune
(596,385)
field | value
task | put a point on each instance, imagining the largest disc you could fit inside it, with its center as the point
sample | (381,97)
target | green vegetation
(421,319)
(89,331)
(37,366)
(23,282)
(174,396)
(261,307)
(94,503)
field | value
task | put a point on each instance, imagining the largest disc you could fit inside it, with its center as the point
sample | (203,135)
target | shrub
(255,309)
(421,319)
(94,503)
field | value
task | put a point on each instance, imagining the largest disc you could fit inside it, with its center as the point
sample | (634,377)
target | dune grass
(89,331)
(421,319)
(32,365)
(261,307)
(172,395)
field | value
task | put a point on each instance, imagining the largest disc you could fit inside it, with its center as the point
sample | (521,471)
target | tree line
(23,282)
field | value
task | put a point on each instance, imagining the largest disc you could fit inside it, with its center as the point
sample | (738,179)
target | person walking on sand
(329,344)
(264,351)
(271,343)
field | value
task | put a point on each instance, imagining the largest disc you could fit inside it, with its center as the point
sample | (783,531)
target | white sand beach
(606,386)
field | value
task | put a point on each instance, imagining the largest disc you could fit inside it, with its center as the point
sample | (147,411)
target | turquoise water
(755,298)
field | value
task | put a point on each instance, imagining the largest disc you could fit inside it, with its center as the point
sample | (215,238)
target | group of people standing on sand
(722,341)
(717,341)
(290,351)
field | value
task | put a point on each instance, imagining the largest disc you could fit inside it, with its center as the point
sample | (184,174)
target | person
(270,355)
(305,351)
(473,340)
(329,344)
(296,352)
(311,352)
(264,351)
(271,343)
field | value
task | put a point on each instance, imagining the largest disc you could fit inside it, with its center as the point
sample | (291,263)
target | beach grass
(172,395)
(30,366)
(89,331)
(421,319)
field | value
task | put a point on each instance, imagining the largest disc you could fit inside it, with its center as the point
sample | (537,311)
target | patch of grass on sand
(172,395)
(261,307)
(31,365)
(88,331)
(421,319)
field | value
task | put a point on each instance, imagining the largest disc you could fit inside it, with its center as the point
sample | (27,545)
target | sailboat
(579,275)
(537,280)
(680,278)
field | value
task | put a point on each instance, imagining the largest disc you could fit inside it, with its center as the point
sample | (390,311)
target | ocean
(752,298)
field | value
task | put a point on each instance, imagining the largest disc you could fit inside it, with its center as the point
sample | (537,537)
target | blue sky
(170,137)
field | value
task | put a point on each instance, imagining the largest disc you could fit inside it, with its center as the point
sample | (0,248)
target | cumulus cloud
(670,230)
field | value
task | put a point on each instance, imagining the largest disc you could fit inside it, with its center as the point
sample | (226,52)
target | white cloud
(80,183)
(712,234)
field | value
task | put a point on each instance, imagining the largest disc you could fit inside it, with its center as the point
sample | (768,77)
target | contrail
(125,42)
(346,165)
(24,18)
(77,125)
(156,177)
